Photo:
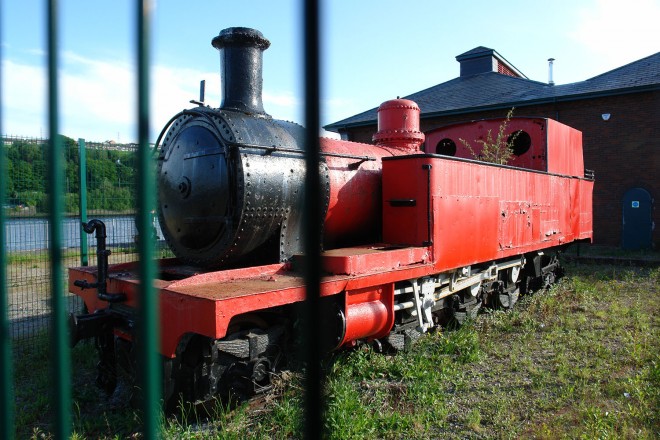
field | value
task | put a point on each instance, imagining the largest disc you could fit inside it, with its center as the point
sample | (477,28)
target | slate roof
(493,90)
(481,52)
(476,51)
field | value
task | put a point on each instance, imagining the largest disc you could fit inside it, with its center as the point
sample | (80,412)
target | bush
(498,150)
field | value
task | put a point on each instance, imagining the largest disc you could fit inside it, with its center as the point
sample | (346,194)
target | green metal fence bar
(61,399)
(148,336)
(82,175)
(6,385)
(312,234)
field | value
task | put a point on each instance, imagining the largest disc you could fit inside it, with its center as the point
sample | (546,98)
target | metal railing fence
(137,186)
(6,359)
(148,334)
(60,353)
(99,182)
(313,410)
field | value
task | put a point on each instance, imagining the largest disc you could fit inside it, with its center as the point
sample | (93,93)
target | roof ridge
(476,50)
(609,72)
(491,89)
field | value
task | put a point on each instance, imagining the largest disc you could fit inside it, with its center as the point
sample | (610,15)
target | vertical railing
(82,198)
(6,385)
(313,219)
(60,358)
(148,337)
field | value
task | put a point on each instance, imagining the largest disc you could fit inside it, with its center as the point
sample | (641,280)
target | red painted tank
(354,204)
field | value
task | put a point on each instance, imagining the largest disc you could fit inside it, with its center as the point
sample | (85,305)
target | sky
(373,50)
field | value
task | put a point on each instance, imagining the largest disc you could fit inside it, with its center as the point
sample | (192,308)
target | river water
(33,233)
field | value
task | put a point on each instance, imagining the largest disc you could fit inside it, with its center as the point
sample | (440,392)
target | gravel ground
(29,308)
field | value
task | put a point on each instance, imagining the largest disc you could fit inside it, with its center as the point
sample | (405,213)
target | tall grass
(580,360)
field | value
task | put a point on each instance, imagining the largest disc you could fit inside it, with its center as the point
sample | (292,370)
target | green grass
(38,256)
(588,250)
(26,258)
(578,361)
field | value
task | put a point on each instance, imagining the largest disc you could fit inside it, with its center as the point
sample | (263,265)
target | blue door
(637,222)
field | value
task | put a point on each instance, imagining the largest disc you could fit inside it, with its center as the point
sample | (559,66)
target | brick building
(618,113)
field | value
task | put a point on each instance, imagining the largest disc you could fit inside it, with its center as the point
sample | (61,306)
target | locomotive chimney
(241,55)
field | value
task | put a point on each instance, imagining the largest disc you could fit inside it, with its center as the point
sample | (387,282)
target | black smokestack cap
(241,55)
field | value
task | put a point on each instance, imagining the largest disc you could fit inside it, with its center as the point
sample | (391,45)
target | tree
(110,175)
(22,176)
(498,150)
(10,180)
(30,152)
(71,150)
(73,184)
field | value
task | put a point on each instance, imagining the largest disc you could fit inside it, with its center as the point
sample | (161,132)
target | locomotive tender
(411,238)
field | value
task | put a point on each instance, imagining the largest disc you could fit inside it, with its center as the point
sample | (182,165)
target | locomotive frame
(454,234)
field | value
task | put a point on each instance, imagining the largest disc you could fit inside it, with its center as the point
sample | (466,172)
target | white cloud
(95,99)
(97,93)
(622,31)
(23,99)
(338,108)
(173,88)
(283,105)
(36,52)
(281,99)
(98,98)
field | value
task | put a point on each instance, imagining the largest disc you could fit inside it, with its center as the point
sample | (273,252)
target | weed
(497,150)
(579,360)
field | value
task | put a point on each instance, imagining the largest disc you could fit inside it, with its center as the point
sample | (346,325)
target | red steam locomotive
(411,238)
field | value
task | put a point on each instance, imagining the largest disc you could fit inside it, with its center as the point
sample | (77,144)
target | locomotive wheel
(465,309)
(239,376)
(231,369)
(507,299)
(526,285)
(244,322)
